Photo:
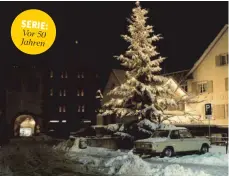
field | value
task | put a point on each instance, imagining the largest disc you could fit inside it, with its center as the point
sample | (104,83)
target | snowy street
(24,157)
(103,161)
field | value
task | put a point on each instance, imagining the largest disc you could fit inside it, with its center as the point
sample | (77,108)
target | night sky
(187,28)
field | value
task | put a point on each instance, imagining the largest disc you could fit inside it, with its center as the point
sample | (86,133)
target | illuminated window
(78,92)
(202,87)
(51,74)
(81,108)
(62,75)
(64,121)
(51,92)
(64,94)
(60,93)
(82,93)
(66,75)
(82,75)
(78,75)
(60,108)
(64,109)
(54,121)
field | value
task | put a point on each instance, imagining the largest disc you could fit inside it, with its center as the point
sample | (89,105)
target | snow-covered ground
(216,157)
(24,157)
(108,162)
(34,157)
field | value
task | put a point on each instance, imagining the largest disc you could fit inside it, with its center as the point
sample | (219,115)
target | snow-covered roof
(178,76)
(176,87)
(120,75)
(218,37)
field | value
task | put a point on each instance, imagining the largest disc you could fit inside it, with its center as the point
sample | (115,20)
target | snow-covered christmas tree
(145,93)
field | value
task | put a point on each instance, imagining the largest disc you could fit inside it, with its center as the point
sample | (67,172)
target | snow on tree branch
(145,93)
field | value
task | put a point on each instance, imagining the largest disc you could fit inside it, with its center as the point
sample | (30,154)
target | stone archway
(24,125)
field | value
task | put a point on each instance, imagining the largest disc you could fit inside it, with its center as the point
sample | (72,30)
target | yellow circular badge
(33,31)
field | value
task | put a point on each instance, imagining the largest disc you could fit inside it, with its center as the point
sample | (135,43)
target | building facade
(23,98)
(70,99)
(54,100)
(207,81)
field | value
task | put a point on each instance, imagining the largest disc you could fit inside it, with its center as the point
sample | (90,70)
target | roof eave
(208,50)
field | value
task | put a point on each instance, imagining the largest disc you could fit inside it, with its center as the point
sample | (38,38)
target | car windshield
(161,133)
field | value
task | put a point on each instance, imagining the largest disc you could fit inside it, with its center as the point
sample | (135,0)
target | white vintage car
(168,142)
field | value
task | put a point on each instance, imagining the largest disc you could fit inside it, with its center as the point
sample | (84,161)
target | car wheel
(204,149)
(168,152)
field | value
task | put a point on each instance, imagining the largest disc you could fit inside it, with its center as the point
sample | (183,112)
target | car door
(175,141)
(188,141)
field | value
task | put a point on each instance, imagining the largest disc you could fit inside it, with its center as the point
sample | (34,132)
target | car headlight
(148,145)
(154,147)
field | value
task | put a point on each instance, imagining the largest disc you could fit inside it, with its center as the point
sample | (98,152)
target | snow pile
(122,128)
(214,158)
(128,165)
(133,165)
(71,145)
(206,159)
(144,131)
(32,159)
(113,127)
(177,170)
(145,123)
(123,135)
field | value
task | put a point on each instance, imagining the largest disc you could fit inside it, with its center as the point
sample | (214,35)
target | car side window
(175,134)
(185,134)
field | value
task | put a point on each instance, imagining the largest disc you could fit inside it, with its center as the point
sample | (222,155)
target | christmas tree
(145,93)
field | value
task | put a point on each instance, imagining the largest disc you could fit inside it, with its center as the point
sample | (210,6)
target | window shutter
(226,111)
(194,88)
(226,84)
(213,110)
(216,111)
(220,111)
(217,60)
(210,87)
(227,58)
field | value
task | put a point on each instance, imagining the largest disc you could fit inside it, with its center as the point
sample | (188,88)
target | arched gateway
(25,125)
